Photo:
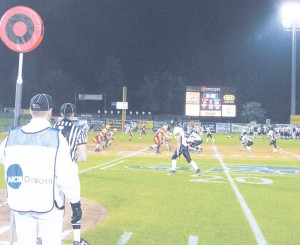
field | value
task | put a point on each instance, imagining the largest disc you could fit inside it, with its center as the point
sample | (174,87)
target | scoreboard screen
(210,101)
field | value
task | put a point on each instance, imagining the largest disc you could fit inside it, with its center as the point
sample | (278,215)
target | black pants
(184,150)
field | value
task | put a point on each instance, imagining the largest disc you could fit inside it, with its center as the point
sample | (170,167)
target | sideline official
(77,141)
(38,174)
(76,138)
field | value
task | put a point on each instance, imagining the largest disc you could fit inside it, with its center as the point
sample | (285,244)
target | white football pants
(47,225)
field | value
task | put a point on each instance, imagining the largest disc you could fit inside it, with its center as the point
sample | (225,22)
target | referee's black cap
(67,108)
(41,102)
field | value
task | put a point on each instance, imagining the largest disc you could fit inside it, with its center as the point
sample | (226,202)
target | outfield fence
(96,123)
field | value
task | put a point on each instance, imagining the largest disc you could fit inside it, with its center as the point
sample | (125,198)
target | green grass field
(240,198)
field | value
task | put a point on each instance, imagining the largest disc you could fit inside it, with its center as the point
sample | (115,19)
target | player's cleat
(151,148)
(97,150)
(172,172)
(157,152)
(82,242)
(198,172)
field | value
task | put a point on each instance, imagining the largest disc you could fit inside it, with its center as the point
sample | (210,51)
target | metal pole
(123,110)
(293,87)
(104,101)
(18,100)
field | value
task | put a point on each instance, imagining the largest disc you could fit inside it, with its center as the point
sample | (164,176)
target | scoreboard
(210,101)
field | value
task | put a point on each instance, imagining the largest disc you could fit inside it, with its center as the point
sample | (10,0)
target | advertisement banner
(238,127)
(157,125)
(90,96)
(149,125)
(295,119)
(115,124)
(212,126)
(223,128)
(131,124)
(97,125)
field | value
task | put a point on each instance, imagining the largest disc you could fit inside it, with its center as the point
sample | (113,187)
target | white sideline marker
(124,238)
(4,229)
(253,224)
(193,240)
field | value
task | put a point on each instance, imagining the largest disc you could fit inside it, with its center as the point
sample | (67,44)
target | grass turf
(158,209)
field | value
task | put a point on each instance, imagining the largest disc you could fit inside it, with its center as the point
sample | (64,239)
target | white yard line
(115,160)
(253,224)
(193,240)
(292,154)
(112,165)
(124,238)
(4,229)
(3,204)
(7,243)
(65,233)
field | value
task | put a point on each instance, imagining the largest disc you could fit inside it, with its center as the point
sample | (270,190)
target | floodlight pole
(293,87)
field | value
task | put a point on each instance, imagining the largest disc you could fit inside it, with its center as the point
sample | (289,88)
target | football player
(182,148)
(195,141)
(158,138)
(246,142)
(100,138)
(129,133)
(167,140)
(143,131)
(209,134)
(111,136)
(272,136)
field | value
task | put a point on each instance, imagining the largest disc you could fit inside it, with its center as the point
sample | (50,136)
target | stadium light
(290,14)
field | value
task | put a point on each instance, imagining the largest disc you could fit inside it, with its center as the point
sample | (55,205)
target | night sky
(206,42)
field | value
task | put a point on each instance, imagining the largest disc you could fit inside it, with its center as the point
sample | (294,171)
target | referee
(77,141)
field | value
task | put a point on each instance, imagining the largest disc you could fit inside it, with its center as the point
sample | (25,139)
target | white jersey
(179,135)
(194,137)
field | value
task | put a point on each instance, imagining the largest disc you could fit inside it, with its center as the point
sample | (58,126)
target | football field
(240,198)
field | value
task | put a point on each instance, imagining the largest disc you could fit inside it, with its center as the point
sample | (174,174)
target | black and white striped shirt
(73,135)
